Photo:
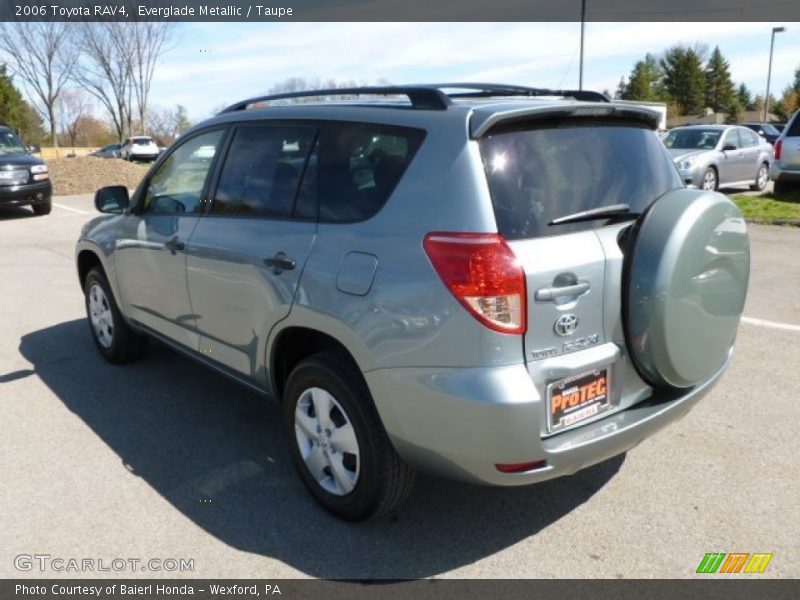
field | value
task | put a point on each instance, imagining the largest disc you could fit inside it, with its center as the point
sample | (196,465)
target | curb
(781,222)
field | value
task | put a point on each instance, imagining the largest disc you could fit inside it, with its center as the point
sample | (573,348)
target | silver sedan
(714,156)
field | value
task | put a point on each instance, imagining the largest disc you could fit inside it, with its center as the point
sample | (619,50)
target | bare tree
(43,56)
(104,70)
(73,106)
(148,41)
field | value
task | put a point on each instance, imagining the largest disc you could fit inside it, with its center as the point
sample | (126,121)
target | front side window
(732,139)
(692,139)
(177,186)
(262,171)
(10,143)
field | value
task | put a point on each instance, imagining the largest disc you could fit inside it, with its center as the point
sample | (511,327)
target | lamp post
(583,23)
(769,71)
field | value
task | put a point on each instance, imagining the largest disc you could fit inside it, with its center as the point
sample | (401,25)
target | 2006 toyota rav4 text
(493,283)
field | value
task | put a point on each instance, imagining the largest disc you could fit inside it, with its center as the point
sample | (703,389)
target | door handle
(174,245)
(279,263)
(550,293)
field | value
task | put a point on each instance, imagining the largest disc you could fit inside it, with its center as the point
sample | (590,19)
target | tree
(42,55)
(104,70)
(745,97)
(73,106)
(148,41)
(684,78)
(796,84)
(733,108)
(18,114)
(789,102)
(620,92)
(719,85)
(645,81)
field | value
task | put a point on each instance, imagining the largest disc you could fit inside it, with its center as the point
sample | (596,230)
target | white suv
(139,148)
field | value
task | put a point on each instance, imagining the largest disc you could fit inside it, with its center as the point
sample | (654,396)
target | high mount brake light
(481,271)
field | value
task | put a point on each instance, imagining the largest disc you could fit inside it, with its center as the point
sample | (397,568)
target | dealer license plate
(575,399)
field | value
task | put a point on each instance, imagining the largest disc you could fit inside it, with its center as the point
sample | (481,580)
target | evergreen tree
(796,84)
(745,97)
(684,78)
(645,80)
(620,93)
(719,86)
(16,113)
(733,108)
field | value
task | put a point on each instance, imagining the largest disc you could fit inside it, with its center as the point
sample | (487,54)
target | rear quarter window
(551,169)
(358,167)
(793,130)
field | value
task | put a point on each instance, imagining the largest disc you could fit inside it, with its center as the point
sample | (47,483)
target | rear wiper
(601,212)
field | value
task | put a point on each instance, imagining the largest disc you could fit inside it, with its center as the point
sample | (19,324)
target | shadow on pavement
(215,452)
(9,213)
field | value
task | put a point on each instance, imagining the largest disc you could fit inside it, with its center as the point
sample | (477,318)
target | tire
(42,208)
(368,480)
(710,180)
(784,187)
(762,178)
(114,338)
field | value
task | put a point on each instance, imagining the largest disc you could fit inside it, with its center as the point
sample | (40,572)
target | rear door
(246,255)
(542,171)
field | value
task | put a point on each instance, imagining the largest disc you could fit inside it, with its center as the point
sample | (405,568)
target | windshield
(10,143)
(692,139)
(556,169)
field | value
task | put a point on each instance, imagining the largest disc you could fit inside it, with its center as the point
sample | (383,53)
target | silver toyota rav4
(488,282)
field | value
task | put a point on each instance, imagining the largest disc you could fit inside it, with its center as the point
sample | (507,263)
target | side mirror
(35,149)
(728,147)
(113,199)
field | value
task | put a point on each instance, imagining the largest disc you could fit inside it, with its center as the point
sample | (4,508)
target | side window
(177,185)
(749,138)
(794,127)
(359,166)
(262,171)
(732,137)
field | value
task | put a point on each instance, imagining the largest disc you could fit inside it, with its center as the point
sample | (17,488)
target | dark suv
(493,283)
(24,179)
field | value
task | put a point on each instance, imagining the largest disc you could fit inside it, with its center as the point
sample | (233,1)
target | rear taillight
(482,272)
(778,148)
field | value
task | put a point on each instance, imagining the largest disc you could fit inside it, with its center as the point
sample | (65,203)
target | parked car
(785,170)
(498,284)
(24,179)
(714,156)
(765,130)
(139,148)
(109,151)
(779,127)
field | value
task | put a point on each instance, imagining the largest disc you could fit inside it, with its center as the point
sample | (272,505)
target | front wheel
(114,338)
(337,442)
(710,180)
(43,208)
(762,177)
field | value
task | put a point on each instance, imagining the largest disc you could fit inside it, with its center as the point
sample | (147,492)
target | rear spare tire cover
(686,272)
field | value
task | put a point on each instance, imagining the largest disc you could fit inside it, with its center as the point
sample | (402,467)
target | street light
(583,24)
(769,72)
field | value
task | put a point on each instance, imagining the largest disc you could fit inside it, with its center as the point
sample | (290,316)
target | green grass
(768,208)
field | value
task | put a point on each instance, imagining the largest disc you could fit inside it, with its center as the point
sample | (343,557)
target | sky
(213,64)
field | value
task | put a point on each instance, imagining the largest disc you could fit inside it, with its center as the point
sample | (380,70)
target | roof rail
(421,97)
(487,90)
(428,96)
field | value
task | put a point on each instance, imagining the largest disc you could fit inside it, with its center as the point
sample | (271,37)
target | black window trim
(213,182)
(140,193)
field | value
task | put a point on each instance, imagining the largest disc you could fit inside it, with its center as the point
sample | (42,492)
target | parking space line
(69,208)
(770,324)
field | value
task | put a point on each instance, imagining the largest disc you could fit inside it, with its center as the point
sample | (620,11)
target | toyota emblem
(566,325)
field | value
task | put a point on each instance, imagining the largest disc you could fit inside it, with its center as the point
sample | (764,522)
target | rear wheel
(42,208)
(115,340)
(337,442)
(762,177)
(710,180)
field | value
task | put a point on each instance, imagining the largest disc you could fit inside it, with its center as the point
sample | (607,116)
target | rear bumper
(460,423)
(24,195)
(779,173)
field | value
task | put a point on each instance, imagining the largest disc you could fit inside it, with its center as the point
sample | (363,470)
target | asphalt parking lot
(166,460)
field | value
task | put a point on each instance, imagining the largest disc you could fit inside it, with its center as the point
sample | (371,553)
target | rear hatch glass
(557,168)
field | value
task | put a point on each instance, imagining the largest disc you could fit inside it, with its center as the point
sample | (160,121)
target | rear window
(559,168)
(142,141)
(794,126)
